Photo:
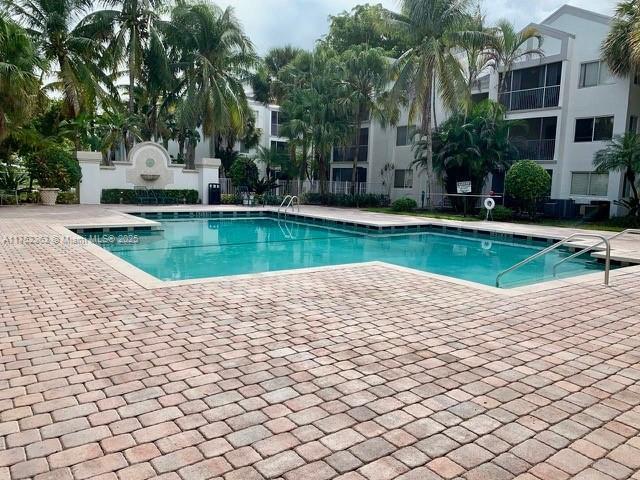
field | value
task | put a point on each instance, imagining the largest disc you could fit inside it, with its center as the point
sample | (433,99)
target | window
(280,147)
(275,123)
(594,129)
(403,179)
(402,136)
(589,184)
(633,124)
(594,73)
(346,154)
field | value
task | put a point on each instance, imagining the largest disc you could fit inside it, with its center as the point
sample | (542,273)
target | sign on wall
(463,187)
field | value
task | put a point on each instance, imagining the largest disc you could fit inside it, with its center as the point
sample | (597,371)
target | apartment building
(568,101)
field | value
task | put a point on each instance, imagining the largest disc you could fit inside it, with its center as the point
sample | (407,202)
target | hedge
(364,200)
(128,196)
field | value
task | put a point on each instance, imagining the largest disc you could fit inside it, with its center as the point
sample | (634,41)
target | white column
(90,185)
(209,172)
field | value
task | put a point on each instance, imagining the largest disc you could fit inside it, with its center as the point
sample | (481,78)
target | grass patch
(613,225)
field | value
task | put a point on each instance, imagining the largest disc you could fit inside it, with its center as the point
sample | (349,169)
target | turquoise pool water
(212,247)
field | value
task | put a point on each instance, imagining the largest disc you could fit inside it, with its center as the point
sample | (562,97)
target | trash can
(214,194)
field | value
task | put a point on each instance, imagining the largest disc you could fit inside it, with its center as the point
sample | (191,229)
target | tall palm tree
(70,46)
(434,29)
(622,154)
(19,86)
(215,58)
(508,46)
(474,48)
(364,74)
(621,48)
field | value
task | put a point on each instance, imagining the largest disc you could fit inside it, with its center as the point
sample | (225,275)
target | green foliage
(621,48)
(129,196)
(12,178)
(404,205)
(230,199)
(468,147)
(54,166)
(527,182)
(264,186)
(268,199)
(365,26)
(244,172)
(366,200)
(500,214)
(67,198)
(622,154)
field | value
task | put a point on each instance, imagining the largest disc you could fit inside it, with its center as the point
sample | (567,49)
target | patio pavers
(356,372)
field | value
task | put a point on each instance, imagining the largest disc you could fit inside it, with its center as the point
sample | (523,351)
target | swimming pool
(191,248)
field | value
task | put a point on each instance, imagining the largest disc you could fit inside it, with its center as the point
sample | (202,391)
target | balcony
(535,149)
(531,99)
(347,154)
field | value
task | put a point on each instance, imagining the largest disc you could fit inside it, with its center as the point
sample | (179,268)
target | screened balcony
(531,88)
(535,138)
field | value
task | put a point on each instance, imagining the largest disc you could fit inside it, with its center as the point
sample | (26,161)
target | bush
(244,172)
(499,214)
(363,200)
(268,199)
(55,167)
(67,198)
(128,196)
(230,199)
(404,205)
(527,182)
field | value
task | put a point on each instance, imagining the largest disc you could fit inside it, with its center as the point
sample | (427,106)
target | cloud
(272,23)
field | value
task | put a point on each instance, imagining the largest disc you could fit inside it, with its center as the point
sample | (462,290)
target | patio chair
(144,196)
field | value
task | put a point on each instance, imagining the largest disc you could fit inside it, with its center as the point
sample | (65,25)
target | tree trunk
(427,134)
(354,171)
(132,63)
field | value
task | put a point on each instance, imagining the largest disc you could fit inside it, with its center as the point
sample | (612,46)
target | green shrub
(499,214)
(268,199)
(404,205)
(55,167)
(67,198)
(230,199)
(364,200)
(527,182)
(243,172)
(128,196)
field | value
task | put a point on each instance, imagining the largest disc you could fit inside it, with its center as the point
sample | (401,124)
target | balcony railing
(535,149)
(531,99)
(347,154)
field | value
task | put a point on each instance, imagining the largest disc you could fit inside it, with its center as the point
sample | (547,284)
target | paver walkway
(360,372)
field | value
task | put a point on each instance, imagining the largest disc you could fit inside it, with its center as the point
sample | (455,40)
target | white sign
(463,187)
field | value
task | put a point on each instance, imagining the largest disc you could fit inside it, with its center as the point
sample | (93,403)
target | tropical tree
(71,46)
(19,85)
(215,57)
(468,147)
(621,48)
(622,154)
(363,77)
(474,48)
(507,46)
(434,29)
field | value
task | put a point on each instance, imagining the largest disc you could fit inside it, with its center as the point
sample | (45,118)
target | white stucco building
(568,100)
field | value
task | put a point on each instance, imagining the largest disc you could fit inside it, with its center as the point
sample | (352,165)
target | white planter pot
(48,196)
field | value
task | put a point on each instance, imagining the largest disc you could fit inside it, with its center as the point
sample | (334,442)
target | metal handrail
(291,204)
(527,260)
(282,203)
(591,247)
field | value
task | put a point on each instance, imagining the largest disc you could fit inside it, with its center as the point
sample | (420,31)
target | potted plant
(54,168)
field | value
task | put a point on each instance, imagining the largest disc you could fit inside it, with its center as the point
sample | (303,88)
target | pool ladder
(289,199)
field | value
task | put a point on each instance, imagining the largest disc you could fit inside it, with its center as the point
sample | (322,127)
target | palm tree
(622,154)
(474,48)
(621,48)
(70,45)
(507,46)
(364,74)
(435,31)
(19,86)
(215,58)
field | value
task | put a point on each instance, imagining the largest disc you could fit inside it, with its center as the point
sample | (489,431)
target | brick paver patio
(360,372)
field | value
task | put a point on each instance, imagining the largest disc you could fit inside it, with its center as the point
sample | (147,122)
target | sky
(272,23)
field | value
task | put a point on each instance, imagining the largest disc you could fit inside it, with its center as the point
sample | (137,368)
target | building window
(280,147)
(347,154)
(594,129)
(275,123)
(404,135)
(633,124)
(589,184)
(403,178)
(593,74)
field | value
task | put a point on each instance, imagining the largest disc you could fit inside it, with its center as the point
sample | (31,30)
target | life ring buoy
(489,203)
